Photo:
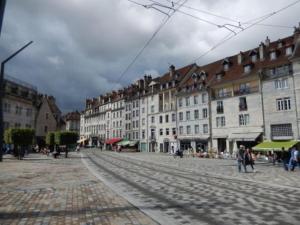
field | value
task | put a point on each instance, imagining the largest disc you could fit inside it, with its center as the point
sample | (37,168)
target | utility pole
(2,95)
(2,8)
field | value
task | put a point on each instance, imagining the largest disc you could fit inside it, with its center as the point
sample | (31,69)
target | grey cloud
(81,47)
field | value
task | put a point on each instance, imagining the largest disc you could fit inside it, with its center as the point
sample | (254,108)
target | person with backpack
(248,159)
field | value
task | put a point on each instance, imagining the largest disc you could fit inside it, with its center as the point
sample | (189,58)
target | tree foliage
(65,138)
(21,137)
(50,138)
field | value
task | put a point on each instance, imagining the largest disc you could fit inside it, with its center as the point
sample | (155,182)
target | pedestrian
(285,156)
(294,160)
(248,159)
(77,148)
(240,158)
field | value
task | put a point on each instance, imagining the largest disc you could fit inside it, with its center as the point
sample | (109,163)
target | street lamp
(2,95)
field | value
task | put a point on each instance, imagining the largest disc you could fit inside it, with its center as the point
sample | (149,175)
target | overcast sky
(81,47)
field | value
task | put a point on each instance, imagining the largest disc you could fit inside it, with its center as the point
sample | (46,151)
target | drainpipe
(296,108)
(260,75)
(209,91)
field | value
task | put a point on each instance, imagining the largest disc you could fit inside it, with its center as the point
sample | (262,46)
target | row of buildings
(24,107)
(241,99)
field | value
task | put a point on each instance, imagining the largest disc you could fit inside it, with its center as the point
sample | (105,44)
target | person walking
(294,159)
(248,159)
(285,156)
(240,158)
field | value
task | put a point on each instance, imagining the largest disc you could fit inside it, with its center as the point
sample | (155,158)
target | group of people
(244,158)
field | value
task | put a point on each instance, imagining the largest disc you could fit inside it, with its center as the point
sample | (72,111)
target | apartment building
(193,112)
(19,103)
(72,121)
(242,99)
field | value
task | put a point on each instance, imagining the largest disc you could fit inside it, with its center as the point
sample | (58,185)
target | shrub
(50,138)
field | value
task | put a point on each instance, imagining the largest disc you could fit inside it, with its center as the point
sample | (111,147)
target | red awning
(112,141)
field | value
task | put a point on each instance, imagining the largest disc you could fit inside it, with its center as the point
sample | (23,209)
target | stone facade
(239,100)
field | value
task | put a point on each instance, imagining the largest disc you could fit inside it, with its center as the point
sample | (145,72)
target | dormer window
(219,76)
(226,67)
(203,75)
(195,77)
(288,50)
(273,55)
(247,68)
(226,64)
(253,55)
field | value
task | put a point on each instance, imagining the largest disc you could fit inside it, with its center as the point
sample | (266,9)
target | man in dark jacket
(240,157)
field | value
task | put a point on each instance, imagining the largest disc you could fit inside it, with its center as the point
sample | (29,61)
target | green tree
(66,138)
(21,138)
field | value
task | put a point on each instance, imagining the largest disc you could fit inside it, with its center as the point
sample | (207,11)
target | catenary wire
(258,20)
(165,20)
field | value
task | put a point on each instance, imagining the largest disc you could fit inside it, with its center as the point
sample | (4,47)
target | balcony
(222,95)
(246,91)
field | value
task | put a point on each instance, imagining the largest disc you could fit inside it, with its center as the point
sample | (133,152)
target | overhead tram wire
(228,18)
(258,20)
(165,20)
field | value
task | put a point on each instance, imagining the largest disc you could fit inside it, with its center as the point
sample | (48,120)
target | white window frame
(244,119)
(283,104)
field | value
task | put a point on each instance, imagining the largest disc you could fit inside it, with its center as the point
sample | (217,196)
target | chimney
(172,71)
(261,51)
(296,33)
(267,41)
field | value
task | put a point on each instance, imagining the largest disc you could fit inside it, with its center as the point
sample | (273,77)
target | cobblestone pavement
(200,191)
(43,190)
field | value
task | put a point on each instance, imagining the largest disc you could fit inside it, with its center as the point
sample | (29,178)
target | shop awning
(82,140)
(274,145)
(113,141)
(123,143)
(244,136)
(133,143)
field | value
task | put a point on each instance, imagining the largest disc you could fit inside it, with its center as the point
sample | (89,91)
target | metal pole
(2,9)
(2,95)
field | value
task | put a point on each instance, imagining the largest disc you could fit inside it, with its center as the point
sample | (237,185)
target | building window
(196,114)
(187,101)
(188,129)
(47,116)
(204,113)
(167,131)
(288,51)
(173,117)
(143,110)
(221,121)
(180,102)
(161,132)
(181,130)
(152,119)
(220,108)
(46,129)
(188,115)
(204,98)
(196,99)
(273,55)
(244,119)
(167,119)
(283,130)
(143,121)
(174,131)
(7,107)
(152,108)
(243,104)
(160,119)
(283,104)
(254,58)
(196,129)
(247,68)
(281,83)
(181,116)
(205,128)
(143,134)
